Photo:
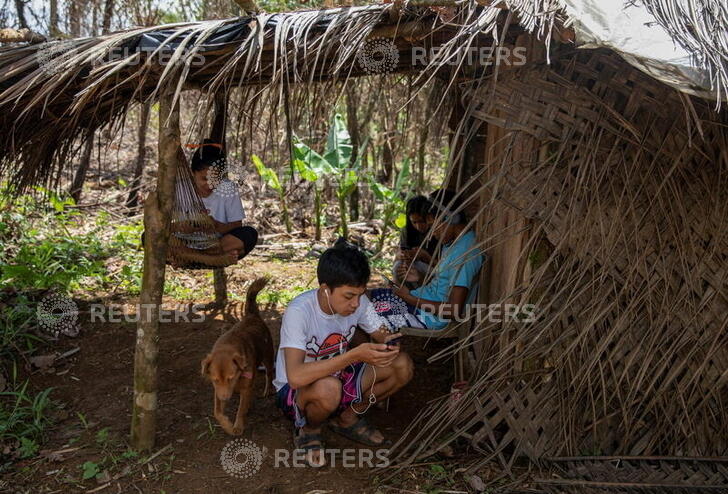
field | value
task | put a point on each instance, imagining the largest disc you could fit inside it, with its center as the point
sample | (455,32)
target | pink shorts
(350,378)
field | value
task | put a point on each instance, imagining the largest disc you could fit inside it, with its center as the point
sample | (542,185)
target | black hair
(205,155)
(416,205)
(450,200)
(419,205)
(343,264)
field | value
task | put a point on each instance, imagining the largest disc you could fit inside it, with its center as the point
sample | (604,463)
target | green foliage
(335,162)
(41,253)
(394,204)
(126,243)
(270,178)
(24,418)
(282,297)
(16,330)
(90,470)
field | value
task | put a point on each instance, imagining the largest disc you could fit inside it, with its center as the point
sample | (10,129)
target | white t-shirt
(224,203)
(322,336)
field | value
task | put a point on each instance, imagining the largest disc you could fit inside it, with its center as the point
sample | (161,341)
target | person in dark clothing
(415,248)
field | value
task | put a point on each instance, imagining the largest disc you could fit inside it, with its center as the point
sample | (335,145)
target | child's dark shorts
(351,393)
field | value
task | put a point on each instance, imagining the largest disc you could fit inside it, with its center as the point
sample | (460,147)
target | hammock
(194,243)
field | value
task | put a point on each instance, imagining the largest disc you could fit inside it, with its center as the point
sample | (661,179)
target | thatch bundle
(51,92)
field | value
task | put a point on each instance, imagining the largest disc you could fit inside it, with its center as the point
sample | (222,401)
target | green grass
(281,297)
(23,420)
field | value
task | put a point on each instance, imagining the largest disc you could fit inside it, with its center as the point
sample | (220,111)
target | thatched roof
(50,93)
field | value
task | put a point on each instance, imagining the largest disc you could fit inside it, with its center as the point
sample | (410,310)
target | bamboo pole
(157,214)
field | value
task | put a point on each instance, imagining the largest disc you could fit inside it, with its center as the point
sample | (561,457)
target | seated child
(225,209)
(318,377)
(453,279)
(416,249)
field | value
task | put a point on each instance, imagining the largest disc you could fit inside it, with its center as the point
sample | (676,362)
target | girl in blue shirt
(453,280)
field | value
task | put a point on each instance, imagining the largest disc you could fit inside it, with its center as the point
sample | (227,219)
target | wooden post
(217,133)
(157,214)
(507,228)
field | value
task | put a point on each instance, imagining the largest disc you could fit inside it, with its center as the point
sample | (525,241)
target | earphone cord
(372,397)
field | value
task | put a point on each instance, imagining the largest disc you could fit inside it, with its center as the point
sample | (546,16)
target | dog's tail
(251,306)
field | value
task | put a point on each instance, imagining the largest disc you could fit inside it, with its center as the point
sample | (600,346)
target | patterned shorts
(394,311)
(350,378)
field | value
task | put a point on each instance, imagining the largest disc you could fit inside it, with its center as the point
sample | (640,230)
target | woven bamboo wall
(629,186)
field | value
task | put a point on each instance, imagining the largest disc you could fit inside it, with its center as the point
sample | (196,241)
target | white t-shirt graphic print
(322,336)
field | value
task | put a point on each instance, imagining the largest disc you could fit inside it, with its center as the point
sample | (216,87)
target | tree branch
(9,35)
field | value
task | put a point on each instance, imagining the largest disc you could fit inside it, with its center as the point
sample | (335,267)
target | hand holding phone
(393,339)
(386,278)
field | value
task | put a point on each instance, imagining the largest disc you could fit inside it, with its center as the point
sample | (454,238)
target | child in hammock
(223,205)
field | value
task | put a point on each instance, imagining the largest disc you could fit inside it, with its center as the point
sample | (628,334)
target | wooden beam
(9,35)
(157,214)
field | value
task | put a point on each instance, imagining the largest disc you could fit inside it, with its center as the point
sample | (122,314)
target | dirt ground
(95,388)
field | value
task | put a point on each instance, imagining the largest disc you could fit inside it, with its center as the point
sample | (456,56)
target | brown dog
(234,359)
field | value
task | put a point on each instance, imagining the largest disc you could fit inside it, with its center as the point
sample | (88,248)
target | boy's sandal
(361,432)
(309,442)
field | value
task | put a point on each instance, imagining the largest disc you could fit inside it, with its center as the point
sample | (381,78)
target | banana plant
(335,162)
(394,205)
(270,178)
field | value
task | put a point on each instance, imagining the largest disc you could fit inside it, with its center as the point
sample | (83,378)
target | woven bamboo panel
(631,191)
(638,474)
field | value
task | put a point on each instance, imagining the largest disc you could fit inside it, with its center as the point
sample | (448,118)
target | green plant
(41,253)
(335,162)
(270,177)
(90,470)
(280,297)
(24,418)
(16,335)
(394,205)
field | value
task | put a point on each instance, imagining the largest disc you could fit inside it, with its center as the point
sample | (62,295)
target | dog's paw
(237,429)
(226,424)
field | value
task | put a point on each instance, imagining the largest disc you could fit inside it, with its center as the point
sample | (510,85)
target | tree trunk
(132,200)
(157,215)
(74,18)
(108,14)
(80,177)
(353,125)
(217,131)
(53,23)
(387,162)
(432,101)
(20,10)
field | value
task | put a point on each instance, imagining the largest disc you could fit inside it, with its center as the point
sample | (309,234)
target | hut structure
(597,179)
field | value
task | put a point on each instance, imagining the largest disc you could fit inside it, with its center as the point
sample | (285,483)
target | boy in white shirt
(318,378)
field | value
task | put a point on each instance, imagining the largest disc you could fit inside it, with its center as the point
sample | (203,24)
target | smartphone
(394,341)
(386,278)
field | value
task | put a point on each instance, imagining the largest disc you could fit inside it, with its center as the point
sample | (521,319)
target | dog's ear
(239,361)
(206,365)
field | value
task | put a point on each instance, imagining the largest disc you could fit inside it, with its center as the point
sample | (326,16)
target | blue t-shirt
(459,264)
